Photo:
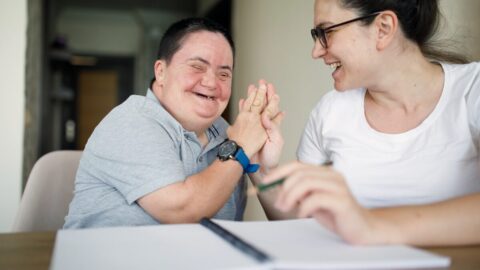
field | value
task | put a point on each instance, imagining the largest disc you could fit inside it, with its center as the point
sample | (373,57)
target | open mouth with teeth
(335,65)
(205,96)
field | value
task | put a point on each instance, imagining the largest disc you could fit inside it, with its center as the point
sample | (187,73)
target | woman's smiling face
(351,47)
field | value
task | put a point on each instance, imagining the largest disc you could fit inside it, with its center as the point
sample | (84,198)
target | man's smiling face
(195,86)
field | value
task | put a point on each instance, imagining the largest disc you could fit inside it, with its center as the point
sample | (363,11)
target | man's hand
(257,127)
(271,118)
(247,129)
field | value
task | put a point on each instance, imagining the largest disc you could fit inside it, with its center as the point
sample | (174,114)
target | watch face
(227,149)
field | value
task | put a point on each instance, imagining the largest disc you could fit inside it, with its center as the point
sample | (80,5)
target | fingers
(322,193)
(282,171)
(272,108)
(271,91)
(302,183)
(252,92)
(303,180)
(278,119)
(272,125)
(317,204)
(273,101)
(342,215)
(260,99)
(272,128)
(326,218)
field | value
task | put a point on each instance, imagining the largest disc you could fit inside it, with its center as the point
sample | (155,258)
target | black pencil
(235,240)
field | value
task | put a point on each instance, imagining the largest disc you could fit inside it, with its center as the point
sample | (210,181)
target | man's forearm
(200,195)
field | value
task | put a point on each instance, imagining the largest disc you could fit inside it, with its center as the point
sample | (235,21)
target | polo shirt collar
(215,133)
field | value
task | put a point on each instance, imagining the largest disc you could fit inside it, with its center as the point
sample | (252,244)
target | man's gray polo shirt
(136,149)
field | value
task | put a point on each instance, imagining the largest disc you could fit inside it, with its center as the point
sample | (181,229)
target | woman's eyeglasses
(321,33)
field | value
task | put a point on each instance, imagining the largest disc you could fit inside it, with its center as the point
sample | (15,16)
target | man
(154,159)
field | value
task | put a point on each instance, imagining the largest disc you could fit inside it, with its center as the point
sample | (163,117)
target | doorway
(99,89)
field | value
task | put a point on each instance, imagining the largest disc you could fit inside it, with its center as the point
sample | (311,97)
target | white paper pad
(294,244)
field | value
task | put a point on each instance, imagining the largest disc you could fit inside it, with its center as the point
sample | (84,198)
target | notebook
(290,244)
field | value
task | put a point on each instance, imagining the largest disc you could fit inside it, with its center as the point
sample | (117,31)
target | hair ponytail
(419,21)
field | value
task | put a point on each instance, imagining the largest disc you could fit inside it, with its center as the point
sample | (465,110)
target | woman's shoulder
(464,78)
(472,68)
(340,100)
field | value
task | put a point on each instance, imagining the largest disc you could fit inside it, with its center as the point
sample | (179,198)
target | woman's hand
(322,193)
(271,117)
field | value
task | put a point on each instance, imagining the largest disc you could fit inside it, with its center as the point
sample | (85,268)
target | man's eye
(198,67)
(224,75)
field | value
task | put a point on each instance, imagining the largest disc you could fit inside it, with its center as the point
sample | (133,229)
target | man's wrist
(241,157)
(229,149)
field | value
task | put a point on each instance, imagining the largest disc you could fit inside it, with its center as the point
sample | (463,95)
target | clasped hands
(257,126)
(308,190)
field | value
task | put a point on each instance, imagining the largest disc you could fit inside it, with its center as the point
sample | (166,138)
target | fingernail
(262,87)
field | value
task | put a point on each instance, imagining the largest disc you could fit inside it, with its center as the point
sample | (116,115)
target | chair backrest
(48,192)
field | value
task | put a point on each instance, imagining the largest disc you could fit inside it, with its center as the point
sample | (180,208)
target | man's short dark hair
(175,35)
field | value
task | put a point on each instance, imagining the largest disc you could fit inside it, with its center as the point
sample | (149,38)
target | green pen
(264,187)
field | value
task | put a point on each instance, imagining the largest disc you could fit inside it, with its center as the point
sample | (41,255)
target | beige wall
(13,19)
(461,23)
(273,42)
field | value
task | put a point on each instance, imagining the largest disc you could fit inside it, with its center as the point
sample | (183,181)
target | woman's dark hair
(173,38)
(419,21)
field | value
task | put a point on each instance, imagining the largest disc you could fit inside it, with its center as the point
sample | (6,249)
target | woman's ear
(387,26)
(160,68)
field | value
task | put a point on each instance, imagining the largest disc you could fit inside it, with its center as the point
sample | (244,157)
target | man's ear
(160,67)
(387,26)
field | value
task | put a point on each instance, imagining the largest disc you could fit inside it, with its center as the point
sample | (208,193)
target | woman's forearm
(452,222)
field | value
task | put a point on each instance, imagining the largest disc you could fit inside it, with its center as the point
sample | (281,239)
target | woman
(402,129)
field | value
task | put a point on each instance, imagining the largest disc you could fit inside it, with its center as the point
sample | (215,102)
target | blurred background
(67,63)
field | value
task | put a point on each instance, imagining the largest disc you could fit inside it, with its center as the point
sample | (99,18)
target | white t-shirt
(437,160)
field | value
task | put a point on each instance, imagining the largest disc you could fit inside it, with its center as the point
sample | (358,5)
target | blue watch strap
(243,159)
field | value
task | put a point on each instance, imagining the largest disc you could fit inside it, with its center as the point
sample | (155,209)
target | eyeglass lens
(319,33)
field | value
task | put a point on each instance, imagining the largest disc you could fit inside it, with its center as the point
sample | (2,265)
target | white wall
(273,42)
(13,19)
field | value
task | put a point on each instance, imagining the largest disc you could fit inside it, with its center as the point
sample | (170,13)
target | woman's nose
(318,50)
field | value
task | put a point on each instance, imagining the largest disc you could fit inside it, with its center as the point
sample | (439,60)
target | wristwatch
(231,150)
